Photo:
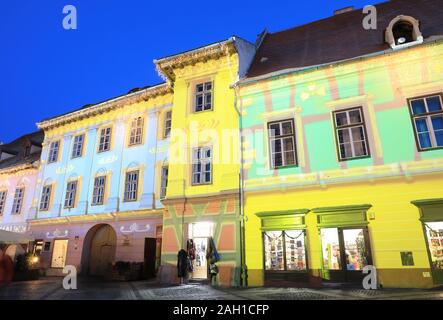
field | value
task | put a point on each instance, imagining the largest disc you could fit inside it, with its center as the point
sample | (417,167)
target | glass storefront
(285,250)
(434,233)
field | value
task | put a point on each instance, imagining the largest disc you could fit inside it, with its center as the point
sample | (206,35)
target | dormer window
(402,32)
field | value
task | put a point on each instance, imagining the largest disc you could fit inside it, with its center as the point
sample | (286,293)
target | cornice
(21,167)
(142,95)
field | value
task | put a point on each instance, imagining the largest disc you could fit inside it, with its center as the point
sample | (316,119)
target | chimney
(340,11)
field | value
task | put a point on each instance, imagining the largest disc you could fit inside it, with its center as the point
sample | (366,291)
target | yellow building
(202,198)
(343,159)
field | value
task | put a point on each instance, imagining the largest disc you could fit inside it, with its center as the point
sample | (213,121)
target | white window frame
(104,142)
(428,118)
(3,197)
(98,194)
(70,195)
(272,138)
(45,199)
(348,127)
(19,196)
(136,131)
(199,158)
(77,146)
(54,148)
(164,181)
(204,94)
(167,124)
(131,186)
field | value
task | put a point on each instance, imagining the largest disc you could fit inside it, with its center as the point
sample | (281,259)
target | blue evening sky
(46,70)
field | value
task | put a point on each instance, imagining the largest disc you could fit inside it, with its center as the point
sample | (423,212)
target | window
(18,200)
(201,166)
(427,117)
(98,194)
(282,144)
(351,134)
(77,147)
(46,198)
(403,32)
(105,139)
(136,135)
(164,182)
(168,123)
(285,250)
(2,201)
(38,247)
(53,151)
(203,97)
(131,186)
(71,190)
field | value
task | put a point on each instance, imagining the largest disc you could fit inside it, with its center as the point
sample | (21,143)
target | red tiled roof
(341,37)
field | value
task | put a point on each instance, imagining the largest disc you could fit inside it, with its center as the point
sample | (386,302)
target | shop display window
(285,250)
(434,232)
(331,249)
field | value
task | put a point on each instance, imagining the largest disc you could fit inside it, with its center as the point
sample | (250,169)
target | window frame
(72,193)
(202,172)
(95,187)
(99,149)
(350,126)
(428,115)
(127,183)
(136,131)
(204,93)
(281,137)
(166,128)
(46,201)
(164,181)
(14,210)
(75,145)
(3,200)
(52,150)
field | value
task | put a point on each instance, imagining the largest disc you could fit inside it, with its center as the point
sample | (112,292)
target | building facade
(343,160)
(202,201)
(100,183)
(19,162)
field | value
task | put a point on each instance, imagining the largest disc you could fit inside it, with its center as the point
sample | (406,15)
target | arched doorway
(99,250)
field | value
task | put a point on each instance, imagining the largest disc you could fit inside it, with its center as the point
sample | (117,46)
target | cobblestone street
(51,289)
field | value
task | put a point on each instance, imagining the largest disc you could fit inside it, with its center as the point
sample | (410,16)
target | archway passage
(100,245)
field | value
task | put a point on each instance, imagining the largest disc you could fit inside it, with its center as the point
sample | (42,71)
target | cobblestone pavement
(51,289)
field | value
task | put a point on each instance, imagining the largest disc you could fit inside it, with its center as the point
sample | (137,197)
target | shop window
(285,250)
(105,139)
(351,135)
(77,146)
(18,200)
(131,186)
(98,194)
(203,97)
(53,151)
(427,118)
(282,144)
(136,134)
(38,247)
(71,191)
(434,232)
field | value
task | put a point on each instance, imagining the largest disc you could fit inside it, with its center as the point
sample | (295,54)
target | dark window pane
(207,177)
(345,150)
(289,158)
(439,138)
(434,104)
(343,136)
(208,86)
(425,140)
(288,144)
(418,106)
(360,149)
(341,119)
(276,145)
(421,125)
(274,130)
(355,116)
(357,134)
(199,87)
(437,123)
(287,127)
(278,161)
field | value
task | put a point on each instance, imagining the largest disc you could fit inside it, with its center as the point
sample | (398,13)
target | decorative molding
(57,234)
(134,228)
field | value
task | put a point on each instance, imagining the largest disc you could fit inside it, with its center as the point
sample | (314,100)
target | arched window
(403,31)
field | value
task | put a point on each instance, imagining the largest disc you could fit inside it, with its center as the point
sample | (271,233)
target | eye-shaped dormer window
(403,31)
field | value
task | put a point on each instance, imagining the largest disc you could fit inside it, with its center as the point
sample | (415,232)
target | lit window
(131,186)
(282,144)
(351,134)
(46,198)
(136,136)
(285,250)
(201,166)
(71,190)
(2,201)
(98,193)
(168,124)
(164,182)
(18,200)
(105,139)
(427,116)
(53,151)
(203,97)
(77,147)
